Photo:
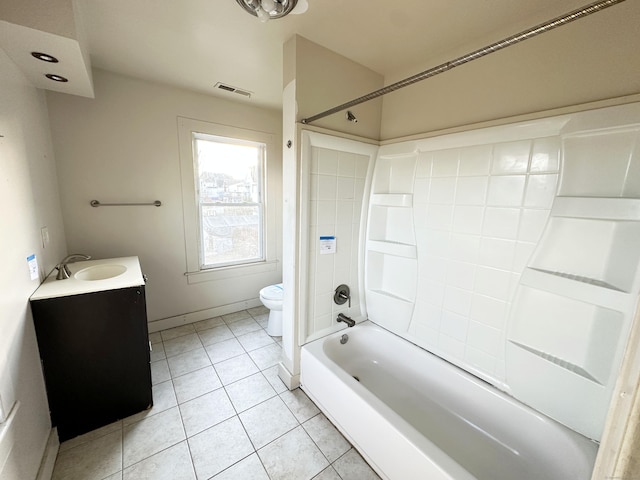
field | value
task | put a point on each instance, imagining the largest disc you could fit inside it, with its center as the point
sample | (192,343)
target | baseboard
(49,456)
(290,380)
(192,317)
(7,440)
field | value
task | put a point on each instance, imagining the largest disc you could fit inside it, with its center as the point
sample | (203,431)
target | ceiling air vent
(229,88)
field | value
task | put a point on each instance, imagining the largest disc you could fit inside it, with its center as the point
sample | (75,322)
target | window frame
(188,130)
(262,165)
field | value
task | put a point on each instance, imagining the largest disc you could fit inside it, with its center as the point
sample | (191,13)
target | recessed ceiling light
(45,57)
(56,78)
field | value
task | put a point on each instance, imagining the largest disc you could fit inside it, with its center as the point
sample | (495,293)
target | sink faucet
(343,318)
(63,270)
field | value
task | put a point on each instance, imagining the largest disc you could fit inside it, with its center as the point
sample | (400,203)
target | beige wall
(29,200)
(325,79)
(52,16)
(122,146)
(590,59)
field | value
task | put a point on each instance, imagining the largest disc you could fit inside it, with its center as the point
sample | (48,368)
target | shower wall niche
(514,253)
(391,244)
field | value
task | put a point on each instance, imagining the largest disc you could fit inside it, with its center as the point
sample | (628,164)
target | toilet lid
(272,292)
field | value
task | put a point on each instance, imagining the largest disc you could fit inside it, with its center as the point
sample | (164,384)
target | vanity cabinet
(94,349)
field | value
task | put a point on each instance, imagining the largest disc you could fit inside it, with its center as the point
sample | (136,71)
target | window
(228,181)
(228,200)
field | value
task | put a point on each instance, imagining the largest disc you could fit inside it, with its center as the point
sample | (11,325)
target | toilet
(271,297)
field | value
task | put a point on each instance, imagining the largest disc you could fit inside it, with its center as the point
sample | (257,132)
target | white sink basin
(93,276)
(100,272)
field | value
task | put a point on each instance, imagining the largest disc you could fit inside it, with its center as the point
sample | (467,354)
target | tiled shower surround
(509,251)
(337,185)
(478,213)
(512,252)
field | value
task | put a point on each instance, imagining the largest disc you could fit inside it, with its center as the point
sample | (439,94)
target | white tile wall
(478,213)
(337,185)
(512,157)
(599,164)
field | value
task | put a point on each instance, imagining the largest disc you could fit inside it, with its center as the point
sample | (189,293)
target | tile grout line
(255,449)
(121,451)
(224,387)
(162,342)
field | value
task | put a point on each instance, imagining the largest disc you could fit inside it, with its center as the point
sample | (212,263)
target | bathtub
(414,416)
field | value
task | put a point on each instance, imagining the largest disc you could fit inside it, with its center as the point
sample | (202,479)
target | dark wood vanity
(94,349)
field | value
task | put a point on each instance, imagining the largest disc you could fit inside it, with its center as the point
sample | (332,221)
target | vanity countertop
(130,277)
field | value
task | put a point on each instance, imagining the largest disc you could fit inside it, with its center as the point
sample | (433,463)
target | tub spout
(343,318)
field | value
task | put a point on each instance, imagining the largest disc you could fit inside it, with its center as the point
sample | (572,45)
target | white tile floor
(220,412)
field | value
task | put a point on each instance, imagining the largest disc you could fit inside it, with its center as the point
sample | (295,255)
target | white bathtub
(414,416)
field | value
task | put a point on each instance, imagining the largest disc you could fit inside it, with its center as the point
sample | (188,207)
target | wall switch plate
(44,232)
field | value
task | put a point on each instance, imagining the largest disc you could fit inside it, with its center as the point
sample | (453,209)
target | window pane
(227,172)
(229,185)
(230,234)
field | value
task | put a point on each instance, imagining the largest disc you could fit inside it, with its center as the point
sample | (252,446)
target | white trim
(45,472)
(290,380)
(230,271)
(186,128)
(192,317)
(621,419)
(8,437)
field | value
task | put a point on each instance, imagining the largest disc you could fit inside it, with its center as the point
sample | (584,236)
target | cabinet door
(95,355)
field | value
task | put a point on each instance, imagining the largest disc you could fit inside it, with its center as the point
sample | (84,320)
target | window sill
(232,271)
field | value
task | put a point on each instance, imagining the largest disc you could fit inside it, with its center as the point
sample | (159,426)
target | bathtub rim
(582,445)
(444,465)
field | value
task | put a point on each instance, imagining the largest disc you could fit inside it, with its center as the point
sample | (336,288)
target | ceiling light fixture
(56,78)
(267,10)
(45,57)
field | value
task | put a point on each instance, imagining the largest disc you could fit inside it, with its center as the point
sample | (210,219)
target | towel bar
(96,203)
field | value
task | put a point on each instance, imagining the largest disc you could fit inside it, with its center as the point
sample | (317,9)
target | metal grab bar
(96,203)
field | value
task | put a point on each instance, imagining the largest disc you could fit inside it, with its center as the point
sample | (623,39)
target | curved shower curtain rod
(494,47)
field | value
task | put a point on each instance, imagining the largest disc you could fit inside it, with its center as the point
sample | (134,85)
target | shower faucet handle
(342,295)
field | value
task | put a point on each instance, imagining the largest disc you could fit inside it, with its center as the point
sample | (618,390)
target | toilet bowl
(271,297)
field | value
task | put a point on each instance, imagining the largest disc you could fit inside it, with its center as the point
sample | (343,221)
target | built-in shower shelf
(562,363)
(597,208)
(391,296)
(389,310)
(588,290)
(392,199)
(392,248)
(578,278)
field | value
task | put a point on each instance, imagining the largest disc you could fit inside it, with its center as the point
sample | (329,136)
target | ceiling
(194,44)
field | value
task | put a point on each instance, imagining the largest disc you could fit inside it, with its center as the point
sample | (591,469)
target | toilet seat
(272,298)
(272,292)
